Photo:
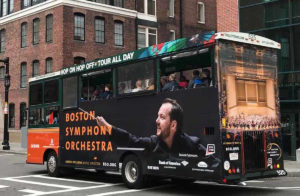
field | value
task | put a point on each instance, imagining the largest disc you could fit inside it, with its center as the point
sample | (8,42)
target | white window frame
(174,33)
(172,8)
(147,34)
(146,8)
(201,12)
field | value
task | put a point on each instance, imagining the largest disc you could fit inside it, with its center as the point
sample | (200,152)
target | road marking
(287,187)
(31,191)
(1,155)
(74,189)
(39,183)
(2,186)
(129,191)
(66,179)
(15,177)
(255,181)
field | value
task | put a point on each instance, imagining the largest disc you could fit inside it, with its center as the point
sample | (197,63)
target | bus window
(70,92)
(51,91)
(52,115)
(36,94)
(96,85)
(136,77)
(36,116)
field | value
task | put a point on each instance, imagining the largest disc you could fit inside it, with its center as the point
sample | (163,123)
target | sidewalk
(292,167)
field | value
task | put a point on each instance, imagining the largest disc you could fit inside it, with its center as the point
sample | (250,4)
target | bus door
(288,135)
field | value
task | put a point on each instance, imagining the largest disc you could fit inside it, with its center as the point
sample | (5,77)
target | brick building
(42,36)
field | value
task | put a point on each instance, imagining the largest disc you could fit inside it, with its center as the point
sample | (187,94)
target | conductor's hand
(102,122)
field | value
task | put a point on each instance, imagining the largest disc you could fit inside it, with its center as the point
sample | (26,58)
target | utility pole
(5,142)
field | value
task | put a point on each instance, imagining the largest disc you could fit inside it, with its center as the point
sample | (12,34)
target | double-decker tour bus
(199,108)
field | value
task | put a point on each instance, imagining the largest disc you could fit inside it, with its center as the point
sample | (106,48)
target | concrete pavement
(292,167)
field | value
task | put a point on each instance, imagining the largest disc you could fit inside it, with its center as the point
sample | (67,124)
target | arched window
(119,37)
(79,27)
(99,30)
(23,34)
(49,28)
(49,65)
(23,116)
(23,75)
(35,68)
(79,60)
(36,31)
(11,116)
(2,40)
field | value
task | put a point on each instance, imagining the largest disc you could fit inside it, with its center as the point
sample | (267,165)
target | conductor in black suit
(169,136)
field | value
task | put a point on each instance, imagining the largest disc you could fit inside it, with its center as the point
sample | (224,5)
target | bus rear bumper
(256,175)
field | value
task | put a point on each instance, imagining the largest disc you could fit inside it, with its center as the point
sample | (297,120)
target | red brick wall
(88,48)
(228,15)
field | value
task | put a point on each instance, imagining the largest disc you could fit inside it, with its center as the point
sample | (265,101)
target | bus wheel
(52,165)
(132,172)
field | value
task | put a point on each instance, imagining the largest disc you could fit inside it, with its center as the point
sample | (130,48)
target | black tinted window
(70,92)
(36,94)
(51,91)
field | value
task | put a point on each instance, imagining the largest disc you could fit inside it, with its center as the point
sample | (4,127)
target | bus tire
(132,172)
(52,165)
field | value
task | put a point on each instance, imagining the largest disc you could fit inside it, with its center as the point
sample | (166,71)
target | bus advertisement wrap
(185,148)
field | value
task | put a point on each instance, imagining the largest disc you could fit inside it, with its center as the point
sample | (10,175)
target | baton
(86,113)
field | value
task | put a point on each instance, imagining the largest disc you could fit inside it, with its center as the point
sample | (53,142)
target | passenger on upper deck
(172,84)
(183,82)
(138,85)
(206,77)
(106,94)
(196,79)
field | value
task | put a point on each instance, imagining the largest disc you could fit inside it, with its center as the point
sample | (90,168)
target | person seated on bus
(122,87)
(150,85)
(106,94)
(138,86)
(96,94)
(163,81)
(195,80)
(183,82)
(206,77)
(172,84)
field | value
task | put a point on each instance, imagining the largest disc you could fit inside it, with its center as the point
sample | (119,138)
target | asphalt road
(18,178)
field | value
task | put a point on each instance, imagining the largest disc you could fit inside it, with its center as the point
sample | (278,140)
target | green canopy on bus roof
(197,40)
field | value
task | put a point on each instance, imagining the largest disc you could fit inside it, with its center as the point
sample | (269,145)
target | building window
(26,3)
(11,116)
(35,68)
(49,28)
(146,37)
(172,35)
(99,30)
(11,6)
(23,116)
(171,8)
(118,3)
(79,27)
(36,31)
(2,73)
(79,60)
(119,33)
(2,40)
(151,7)
(23,74)
(201,12)
(24,35)
(49,63)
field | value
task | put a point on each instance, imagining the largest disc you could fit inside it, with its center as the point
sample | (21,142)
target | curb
(13,152)
(293,174)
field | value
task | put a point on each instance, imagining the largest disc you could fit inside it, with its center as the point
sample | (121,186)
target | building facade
(43,36)
(280,20)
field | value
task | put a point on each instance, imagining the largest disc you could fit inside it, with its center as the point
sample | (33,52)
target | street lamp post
(5,142)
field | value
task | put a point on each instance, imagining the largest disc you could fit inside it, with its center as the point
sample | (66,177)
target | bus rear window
(70,92)
(51,91)
(36,94)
